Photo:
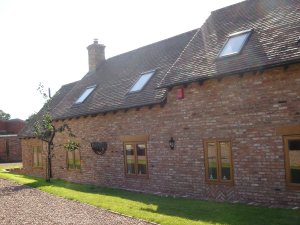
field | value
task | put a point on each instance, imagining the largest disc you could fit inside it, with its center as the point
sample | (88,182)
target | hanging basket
(99,147)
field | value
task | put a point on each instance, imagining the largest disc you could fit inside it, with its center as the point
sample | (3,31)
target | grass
(4,166)
(162,210)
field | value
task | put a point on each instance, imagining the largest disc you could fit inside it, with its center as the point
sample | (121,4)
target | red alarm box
(180,93)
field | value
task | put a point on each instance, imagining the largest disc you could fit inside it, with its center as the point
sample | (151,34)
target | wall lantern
(172,143)
(99,147)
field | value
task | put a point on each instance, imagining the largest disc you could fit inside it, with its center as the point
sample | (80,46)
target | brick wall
(245,109)
(10,148)
(27,156)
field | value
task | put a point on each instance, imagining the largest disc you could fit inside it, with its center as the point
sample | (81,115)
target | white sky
(45,40)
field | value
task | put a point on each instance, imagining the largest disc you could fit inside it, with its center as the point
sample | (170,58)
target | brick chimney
(96,55)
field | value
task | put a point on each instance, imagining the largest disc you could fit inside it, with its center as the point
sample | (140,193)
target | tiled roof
(276,30)
(117,75)
(186,58)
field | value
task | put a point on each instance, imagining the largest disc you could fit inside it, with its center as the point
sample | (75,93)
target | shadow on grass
(195,210)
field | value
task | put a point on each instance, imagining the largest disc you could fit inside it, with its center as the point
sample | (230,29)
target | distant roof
(273,42)
(11,127)
(15,120)
(11,120)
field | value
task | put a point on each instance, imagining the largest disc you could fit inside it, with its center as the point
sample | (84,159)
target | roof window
(85,94)
(142,81)
(235,43)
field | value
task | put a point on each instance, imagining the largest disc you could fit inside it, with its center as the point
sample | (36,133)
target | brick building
(10,145)
(213,113)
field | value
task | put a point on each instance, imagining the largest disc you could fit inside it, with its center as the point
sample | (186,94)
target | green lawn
(162,210)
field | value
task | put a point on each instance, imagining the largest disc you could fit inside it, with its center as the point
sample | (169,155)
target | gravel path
(22,205)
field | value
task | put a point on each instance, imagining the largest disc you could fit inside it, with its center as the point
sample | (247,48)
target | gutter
(161,102)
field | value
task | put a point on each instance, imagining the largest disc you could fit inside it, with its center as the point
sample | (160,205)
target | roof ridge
(198,30)
(229,6)
(157,42)
(69,83)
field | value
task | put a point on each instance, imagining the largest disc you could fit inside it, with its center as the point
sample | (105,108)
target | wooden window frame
(74,165)
(287,160)
(136,174)
(39,149)
(218,159)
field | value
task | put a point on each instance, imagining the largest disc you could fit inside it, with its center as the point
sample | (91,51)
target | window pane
(294,156)
(70,159)
(130,159)
(141,158)
(225,160)
(212,160)
(77,159)
(39,157)
(85,94)
(141,149)
(234,44)
(294,145)
(142,81)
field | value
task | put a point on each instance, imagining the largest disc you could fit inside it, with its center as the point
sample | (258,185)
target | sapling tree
(45,130)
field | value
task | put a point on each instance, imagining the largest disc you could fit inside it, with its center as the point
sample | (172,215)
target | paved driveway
(24,205)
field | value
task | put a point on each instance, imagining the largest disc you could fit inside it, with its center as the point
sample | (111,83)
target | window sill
(294,187)
(137,176)
(227,183)
(37,167)
(76,170)
(73,168)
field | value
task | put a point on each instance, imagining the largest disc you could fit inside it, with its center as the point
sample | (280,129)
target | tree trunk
(49,158)
(48,172)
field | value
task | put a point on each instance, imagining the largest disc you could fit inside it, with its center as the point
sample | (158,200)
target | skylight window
(234,43)
(85,94)
(142,81)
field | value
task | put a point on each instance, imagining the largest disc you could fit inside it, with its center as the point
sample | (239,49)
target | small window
(234,43)
(85,94)
(292,159)
(73,159)
(135,158)
(218,161)
(142,81)
(37,157)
